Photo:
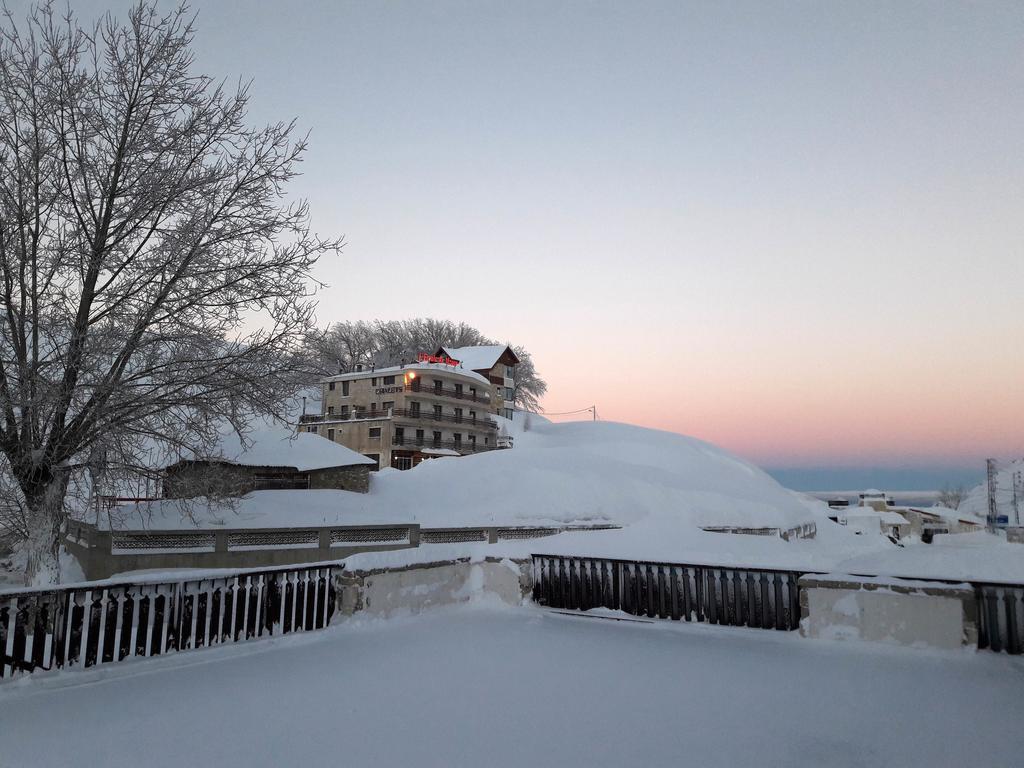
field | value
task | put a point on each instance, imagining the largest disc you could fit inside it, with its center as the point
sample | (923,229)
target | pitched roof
(481,358)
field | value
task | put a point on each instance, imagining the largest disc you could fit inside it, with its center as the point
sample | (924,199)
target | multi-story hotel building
(436,406)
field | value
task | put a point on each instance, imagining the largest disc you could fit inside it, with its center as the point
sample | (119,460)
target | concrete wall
(100,557)
(415,588)
(888,610)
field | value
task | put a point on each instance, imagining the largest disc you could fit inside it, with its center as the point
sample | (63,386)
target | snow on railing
(87,625)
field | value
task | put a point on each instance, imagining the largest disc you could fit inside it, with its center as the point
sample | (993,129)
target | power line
(589,409)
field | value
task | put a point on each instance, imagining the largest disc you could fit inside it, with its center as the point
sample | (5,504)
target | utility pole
(990,471)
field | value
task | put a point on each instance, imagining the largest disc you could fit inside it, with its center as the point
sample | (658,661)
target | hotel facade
(440,405)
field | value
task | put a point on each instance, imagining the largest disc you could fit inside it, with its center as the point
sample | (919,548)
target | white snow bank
(516,687)
(558,473)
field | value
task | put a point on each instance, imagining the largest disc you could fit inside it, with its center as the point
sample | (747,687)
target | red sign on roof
(423,357)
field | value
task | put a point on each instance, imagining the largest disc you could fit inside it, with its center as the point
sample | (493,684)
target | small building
(274,460)
(926,523)
(875,499)
(865,519)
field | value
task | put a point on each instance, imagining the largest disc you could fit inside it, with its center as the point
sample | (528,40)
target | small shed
(274,459)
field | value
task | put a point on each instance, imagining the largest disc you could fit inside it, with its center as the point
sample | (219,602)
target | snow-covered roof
(400,370)
(279,446)
(477,358)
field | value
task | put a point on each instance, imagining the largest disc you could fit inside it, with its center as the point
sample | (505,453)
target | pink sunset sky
(795,230)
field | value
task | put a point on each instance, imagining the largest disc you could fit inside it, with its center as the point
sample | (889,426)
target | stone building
(274,460)
(436,406)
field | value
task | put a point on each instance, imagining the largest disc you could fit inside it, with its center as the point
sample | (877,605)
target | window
(330,386)
(437,385)
(437,412)
(344,389)
(509,394)
(508,413)
(373,408)
(472,440)
(389,380)
(414,410)
(458,390)
(510,371)
(373,382)
(419,437)
(487,441)
(330,434)
(472,416)
(330,410)
(399,435)
(437,439)
(344,411)
(402,462)
(458,414)
(376,459)
(374,433)
(472,392)
(313,430)
(457,437)
(389,405)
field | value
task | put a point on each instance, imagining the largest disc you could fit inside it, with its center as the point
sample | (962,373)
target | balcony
(359,415)
(462,446)
(449,418)
(418,387)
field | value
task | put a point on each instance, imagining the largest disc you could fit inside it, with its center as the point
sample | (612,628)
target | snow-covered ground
(482,686)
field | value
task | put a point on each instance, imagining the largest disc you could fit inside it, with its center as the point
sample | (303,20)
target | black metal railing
(1000,616)
(419,387)
(463,446)
(742,597)
(449,418)
(87,625)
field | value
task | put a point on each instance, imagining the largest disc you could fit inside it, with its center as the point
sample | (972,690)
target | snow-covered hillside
(580,472)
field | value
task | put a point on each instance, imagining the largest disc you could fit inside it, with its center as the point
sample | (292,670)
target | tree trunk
(46,516)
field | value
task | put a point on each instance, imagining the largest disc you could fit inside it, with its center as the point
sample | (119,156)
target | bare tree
(527,386)
(382,343)
(153,280)
(951,496)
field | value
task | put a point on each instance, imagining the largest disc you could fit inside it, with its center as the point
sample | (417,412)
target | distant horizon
(890,479)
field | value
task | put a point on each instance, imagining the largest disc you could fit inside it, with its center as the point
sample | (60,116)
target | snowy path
(482,687)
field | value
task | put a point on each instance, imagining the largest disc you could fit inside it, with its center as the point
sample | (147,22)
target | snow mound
(557,474)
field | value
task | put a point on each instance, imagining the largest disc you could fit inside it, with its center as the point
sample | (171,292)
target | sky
(792,229)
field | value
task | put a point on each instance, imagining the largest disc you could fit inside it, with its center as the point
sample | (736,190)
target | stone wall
(355,478)
(189,479)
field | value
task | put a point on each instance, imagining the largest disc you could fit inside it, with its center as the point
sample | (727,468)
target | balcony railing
(359,415)
(419,387)
(463,446)
(480,422)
